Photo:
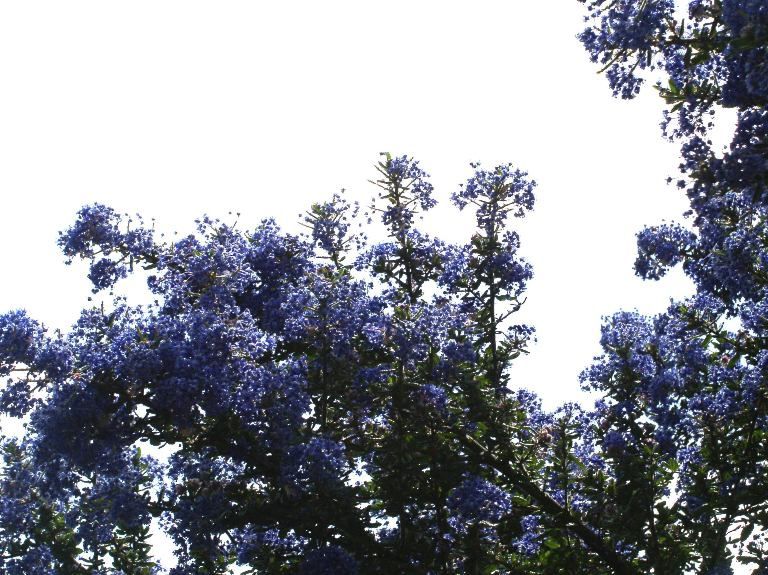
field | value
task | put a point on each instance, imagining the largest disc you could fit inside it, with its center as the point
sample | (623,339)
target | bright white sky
(175,109)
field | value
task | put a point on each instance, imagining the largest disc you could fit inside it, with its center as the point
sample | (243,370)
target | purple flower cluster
(414,258)
(319,464)
(496,193)
(530,542)
(31,358)
(18,337)
(432,399)
(746,56)
(477,501)
(329,224)
(623,36)
(96,236)
(716,56)
(253,544)
(405,172)
(406,191)
(662,247)
(331,560)
(614,444)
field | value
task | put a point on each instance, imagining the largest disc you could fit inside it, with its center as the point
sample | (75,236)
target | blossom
(477,501)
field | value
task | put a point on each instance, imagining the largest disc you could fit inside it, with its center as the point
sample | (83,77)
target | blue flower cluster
(406,190)
(320,464)
(329,224)
(716,57)
(406,173)
(331,560)
(26,349)
(496,193)
(477,501)
(746,56)
(530,542)
(96,235)
(623,37)
(662,247)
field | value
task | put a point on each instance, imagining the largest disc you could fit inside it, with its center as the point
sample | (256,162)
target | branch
(591,539)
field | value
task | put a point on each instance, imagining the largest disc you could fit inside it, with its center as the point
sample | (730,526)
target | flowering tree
(686,394)
(310,419)
(324,405)
(319,412)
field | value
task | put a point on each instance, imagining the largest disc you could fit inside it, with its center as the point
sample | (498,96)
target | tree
(329,406)
(309,418)
(315,422)
(689,384)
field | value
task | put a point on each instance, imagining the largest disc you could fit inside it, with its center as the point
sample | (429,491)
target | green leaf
(746,532)
(552,544)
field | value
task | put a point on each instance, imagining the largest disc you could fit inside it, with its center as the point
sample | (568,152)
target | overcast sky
(175,109)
